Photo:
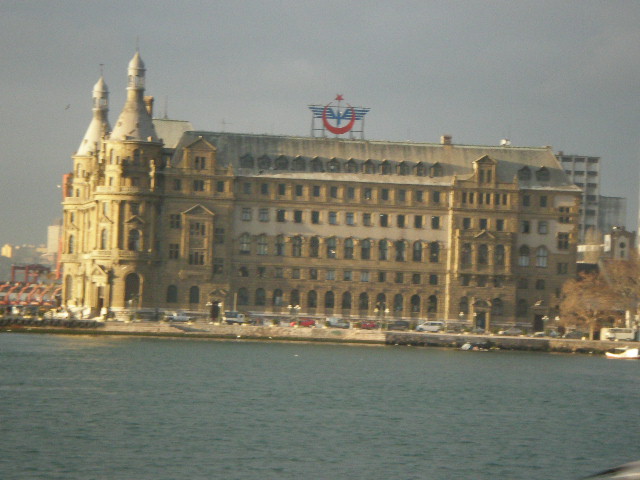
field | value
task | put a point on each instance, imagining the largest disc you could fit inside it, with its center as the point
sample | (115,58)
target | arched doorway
(132,290)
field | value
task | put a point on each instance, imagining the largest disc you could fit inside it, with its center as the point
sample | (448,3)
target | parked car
(335,322)
(178,317)
(232,317)
(512,331)
(307,322)
(368,325)
(575,335)
(399,325)
(430,326)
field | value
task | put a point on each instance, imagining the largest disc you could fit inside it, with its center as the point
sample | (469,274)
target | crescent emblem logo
(338,116)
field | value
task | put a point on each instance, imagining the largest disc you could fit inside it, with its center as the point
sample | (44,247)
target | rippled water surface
(141,408)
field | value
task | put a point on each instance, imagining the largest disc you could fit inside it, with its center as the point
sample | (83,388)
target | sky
(558,73)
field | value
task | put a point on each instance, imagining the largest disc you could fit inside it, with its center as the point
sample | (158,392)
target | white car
(178,317)
(430,326)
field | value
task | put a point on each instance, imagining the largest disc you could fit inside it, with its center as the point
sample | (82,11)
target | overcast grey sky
(554,73)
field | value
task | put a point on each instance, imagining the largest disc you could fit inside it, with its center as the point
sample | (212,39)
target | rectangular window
(399,277)
(175,221)
(366,219)
(367,194)
(364,276)
(384,194)
(282,189)
(177,184)
(220,187)
(315,217)
(299,190)
(218,236)
(174,250)
(200,163)
(417,221)
(261,272)
(295,273)
(218,265)
(525,226)
(198,185)
(563,268)
(197,228)
(263,214)
(297,216)
(280,215)
(331,275)
(433,279)
(347,275)
(384,220)
(563,241)
(526,200)
(483,224)
(419,196)
(543,200)
(313,273)
(500,225)
(246,188)
(400,221)
(435,197)
(416,279)
(543,227)
(246,214)
(264,188)
(351,193)
(333,192)
(382,276)
(349,218)
(435,222)
(196,258)
(333,218)
(278,272)
(402,195)
(466,223)
(316,190)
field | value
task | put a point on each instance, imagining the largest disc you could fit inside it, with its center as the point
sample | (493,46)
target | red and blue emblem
(338,119)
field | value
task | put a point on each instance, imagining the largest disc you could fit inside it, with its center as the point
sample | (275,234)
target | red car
(307,322)
(368,325)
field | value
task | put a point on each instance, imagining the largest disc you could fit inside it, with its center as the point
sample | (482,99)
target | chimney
(148,104)
(445,139)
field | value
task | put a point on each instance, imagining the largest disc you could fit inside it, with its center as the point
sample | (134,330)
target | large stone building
(480,235)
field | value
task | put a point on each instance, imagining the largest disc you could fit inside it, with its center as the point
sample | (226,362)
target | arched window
(172,294)
(403,168)
(104,244)
(243,296)
(262,245)
(346,301)
(296,246)
(524,174)
(365,249)
(316,165)
(383,250)
(498,255)
(282,163)
(432,304)
(369,167)
(497,307)
(521,308)
(363,301)
(71,244)
(542,257)
(264,162)
(421,169)
(523,256)
(294,297)
(483,254)
(434,252)
(398,303)
(386,168)
(415,304)
(261,297)
(436,170)
(381,302)
(331,247)
(312,299)
(543,174)
(314,247)
(401,250)
(299,164)
(348,249)
(246,161)
(277,298)
(245,244)
(417,251)
(333,165)
(464,305)
(329,300)
(132,288)
(352,166)
(194,294)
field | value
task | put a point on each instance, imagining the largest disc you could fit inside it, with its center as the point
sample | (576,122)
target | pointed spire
(134,122)
(99,125)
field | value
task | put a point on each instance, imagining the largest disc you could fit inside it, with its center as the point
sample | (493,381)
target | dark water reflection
(130,408)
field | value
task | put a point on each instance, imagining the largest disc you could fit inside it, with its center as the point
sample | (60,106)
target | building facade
(477,235)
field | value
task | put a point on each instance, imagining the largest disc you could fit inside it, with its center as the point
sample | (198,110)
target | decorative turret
(135,121)
(99,125)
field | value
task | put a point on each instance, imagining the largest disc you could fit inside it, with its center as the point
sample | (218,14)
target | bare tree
(586,300)
(623,278)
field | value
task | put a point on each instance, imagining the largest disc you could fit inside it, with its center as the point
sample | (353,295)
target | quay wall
(330,335)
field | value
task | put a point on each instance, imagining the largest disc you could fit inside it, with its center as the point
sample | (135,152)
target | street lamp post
(294,310)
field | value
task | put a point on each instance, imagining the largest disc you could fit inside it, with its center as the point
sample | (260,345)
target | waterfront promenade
(205,330)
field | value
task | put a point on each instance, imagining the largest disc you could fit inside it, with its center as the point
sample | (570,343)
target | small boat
(624,353)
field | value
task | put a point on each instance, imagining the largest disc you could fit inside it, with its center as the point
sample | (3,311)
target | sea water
(78,408)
